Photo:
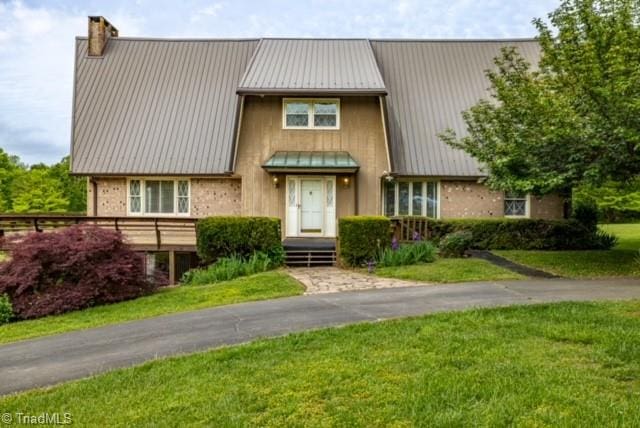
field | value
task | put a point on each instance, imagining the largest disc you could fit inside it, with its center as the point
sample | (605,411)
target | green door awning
(311,162)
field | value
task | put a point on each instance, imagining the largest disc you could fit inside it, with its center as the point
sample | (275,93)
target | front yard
(449,270)
(558,364)
(262,286)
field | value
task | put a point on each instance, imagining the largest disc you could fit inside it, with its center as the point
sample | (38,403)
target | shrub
(456,243)
(520,234)
(586,213)
(604,240)
(227,268)
(6,310)
(72,268)
(362,237)
(225,236)
(408,254)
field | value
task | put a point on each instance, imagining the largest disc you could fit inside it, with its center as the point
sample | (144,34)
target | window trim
(311,114)
(143,192)
(396,195)
(527,206)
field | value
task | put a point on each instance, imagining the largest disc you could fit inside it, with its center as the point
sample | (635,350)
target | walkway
(319,280)
(47,361)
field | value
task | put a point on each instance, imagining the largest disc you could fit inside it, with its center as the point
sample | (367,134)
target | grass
(628,235)
(166,301)
(619,262)
(560,364)
(449,270)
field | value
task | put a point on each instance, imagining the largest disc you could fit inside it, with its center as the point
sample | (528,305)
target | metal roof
(157,106)
(295,160)
(313,65)
(430,83)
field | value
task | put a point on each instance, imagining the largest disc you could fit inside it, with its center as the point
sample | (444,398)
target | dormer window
(311,113)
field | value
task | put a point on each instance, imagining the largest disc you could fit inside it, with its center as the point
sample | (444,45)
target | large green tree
(574,119)
(36,191)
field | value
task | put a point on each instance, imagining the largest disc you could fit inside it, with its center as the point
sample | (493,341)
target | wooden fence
(405,228)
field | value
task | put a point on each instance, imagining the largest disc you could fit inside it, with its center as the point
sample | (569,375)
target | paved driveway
(54,359)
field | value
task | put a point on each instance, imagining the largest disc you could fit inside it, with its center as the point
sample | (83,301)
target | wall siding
(469,199)
(361,134)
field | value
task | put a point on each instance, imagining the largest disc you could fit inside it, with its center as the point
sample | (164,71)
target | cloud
(37,42)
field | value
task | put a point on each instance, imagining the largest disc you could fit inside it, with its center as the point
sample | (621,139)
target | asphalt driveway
(54,359)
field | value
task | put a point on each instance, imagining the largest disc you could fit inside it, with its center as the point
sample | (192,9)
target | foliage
(586,213)
(6,309)
(532,365)
(449,271)
(73,268)
(455,244)
(362,237)
(268,285)
(227,268)
(616,201)
(520,234)
(407,254)
(573,120)
(39,188)
(242,236)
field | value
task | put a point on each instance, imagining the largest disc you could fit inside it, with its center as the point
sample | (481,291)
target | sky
(37,42)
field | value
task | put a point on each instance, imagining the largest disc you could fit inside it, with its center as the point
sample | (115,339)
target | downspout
(94,190)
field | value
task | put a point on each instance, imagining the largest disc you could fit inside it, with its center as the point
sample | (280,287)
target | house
(307,130)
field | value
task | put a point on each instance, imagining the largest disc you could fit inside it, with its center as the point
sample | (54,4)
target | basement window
(415,198)
(158,197)
(311,113)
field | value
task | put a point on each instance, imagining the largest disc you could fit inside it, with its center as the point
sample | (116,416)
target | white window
(311,114)
(158,196)
(516,205)
(418,198)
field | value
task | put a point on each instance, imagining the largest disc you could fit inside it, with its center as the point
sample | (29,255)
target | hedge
(361,237)
(522,234)
(241,236)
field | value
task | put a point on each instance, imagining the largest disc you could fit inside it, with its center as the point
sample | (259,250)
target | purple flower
(370,266)
(395,244)
(416,236)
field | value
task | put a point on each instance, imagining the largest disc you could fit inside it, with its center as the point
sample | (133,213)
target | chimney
(100,31)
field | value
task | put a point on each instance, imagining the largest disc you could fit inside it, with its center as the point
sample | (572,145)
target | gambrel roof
(172,107)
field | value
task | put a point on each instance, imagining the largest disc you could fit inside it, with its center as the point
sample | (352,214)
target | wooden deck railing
(144,233)
(405,228)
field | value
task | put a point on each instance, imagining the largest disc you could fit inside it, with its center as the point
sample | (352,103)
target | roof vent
(100,31)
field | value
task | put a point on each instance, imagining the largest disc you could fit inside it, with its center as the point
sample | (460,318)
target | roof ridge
(364,39)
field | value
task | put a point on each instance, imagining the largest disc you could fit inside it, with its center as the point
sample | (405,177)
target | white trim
(293,222)
(142,212)
(310,113)
(527,206)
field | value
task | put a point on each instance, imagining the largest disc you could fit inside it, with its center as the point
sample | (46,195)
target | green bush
(362,237)
(408,254)
(242,236)
(6,310)
(227,268)
(521,234)
(587,214)
(456,243)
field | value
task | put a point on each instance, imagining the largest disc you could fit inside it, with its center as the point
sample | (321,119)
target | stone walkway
(320,280)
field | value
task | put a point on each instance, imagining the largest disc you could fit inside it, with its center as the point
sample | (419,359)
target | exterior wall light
(346,181)
(276,181)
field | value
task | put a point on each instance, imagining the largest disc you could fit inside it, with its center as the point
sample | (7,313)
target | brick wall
(209,196)
(469,199)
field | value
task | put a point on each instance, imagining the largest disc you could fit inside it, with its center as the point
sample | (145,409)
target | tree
(576,118)
(74,188)
(36,191)
(10,167)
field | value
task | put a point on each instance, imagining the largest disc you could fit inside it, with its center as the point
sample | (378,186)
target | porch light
(276,181)
(346,181)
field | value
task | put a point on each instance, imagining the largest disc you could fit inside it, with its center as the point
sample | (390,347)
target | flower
(395,244)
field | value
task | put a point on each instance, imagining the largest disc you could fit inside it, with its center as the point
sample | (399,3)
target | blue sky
(36,42)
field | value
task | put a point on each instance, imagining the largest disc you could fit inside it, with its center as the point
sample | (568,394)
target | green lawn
(449,270)
(266,285)
(628,235)
(623,260)
(563,364)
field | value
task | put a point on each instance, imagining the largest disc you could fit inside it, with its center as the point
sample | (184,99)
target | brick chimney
(100,31)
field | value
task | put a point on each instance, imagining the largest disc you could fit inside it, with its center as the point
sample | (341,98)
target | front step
(309,251)
(310,258)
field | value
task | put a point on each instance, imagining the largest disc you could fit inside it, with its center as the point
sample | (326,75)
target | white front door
(311,206)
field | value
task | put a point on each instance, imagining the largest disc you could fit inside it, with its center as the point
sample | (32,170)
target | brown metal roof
(157,106)
(430,83)
(313,65)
